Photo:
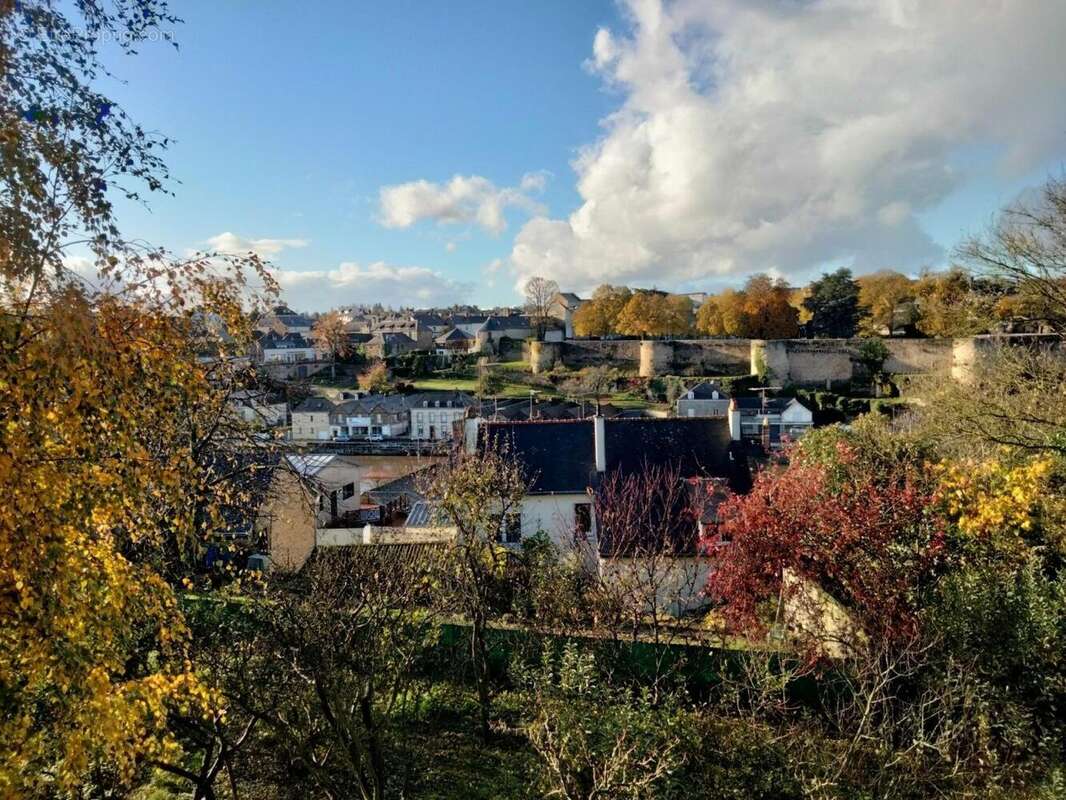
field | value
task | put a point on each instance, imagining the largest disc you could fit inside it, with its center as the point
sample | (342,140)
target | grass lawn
(467,385)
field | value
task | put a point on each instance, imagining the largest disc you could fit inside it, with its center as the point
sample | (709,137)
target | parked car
(375,437)
(342,437)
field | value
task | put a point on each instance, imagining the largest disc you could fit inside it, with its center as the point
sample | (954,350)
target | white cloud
(350,283)
(265,248)
(757,134)
(463,199)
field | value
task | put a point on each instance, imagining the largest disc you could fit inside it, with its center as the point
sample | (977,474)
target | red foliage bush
(869,543)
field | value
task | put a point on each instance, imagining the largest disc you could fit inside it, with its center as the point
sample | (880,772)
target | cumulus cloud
(351,283)
(227,242)
(463,199)
(756,135)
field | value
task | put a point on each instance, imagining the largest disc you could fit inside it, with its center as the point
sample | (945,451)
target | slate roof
(454,335)
(506,323)
(406,486)
(429,399)
(249,476)
(699,447)
(467,319)
(557,456)
(313,404)
(754,405)
(391,337)
(705,390)
(560,456)
(381,403)
(283,341)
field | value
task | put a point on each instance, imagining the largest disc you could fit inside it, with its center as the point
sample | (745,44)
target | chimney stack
(599,435)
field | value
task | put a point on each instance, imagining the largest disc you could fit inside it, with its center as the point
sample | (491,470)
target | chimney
(599,436)
(734,421)
(766,434)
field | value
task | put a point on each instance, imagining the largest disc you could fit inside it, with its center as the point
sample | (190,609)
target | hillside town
(633,400)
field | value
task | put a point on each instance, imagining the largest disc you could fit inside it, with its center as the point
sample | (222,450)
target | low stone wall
(712,357)
(919,356)
(581,353)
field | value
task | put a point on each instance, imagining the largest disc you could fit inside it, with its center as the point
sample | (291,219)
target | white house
(769,420)
(707,399)
(285,348)
(311,420)
(373,416)
(563,307)
(434,415)
(566,460)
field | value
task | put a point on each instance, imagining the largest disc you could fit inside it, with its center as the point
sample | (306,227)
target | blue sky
(289,120)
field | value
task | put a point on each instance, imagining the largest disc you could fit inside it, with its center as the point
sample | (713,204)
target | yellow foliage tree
(599,316)
(114,408)
(762,310)
(879,294)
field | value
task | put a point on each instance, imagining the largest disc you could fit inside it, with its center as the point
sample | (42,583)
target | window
(512,528)
(692,412)
(348,491)
(582,519)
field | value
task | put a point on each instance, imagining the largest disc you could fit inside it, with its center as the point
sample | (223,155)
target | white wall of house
(797,414)
(311,426)
(371,425)
(288,355)
(434,423)
(554,514)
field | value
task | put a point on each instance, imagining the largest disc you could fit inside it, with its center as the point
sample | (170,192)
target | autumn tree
(376,380)
(680,317)
(116,387)
(950,304)
(761,310)
(768,313)
(724,314)
(331,336)
(489,382)
(933,584)
(1026,246)
(480,495)
(834,306)
(599,316)
(654,313)
(540,294)
(880,295)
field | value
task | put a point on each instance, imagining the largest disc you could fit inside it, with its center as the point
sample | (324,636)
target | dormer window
(714,395)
